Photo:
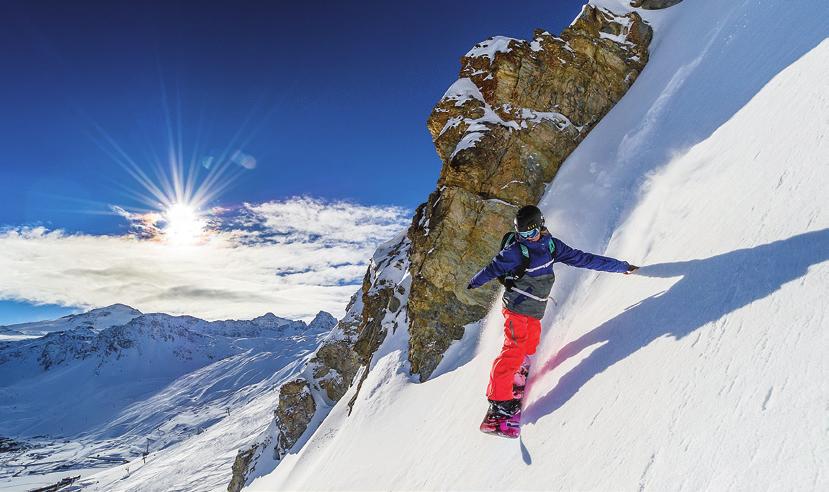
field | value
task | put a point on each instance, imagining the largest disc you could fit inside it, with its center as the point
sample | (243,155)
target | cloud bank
(292,257)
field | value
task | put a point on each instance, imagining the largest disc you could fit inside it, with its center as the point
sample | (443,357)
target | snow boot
(503,418)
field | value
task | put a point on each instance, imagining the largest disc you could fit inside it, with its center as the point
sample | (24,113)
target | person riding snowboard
(525,267)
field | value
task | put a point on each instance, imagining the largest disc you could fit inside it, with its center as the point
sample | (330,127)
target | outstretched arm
(504,263)
(580,259)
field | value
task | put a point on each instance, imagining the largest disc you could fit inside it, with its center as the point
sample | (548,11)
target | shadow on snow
(709,289)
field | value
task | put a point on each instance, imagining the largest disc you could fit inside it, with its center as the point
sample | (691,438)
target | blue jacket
(539,277)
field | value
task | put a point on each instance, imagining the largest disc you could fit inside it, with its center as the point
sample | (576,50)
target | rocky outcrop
(377,306)
(654,4)
(242,466)
(296,408)
(385,292)
(518,109)
(337,364)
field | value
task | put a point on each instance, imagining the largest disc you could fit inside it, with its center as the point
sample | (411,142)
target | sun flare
(183,224)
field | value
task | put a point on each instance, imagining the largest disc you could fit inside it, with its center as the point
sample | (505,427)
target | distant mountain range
(105,386)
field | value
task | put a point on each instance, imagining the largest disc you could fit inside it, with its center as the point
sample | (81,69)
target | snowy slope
(98,395)
(706,372)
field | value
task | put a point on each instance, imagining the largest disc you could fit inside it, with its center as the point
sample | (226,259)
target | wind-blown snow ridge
(705,372)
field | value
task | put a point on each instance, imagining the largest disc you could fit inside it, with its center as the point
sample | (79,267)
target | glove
(509,283)
(631,269)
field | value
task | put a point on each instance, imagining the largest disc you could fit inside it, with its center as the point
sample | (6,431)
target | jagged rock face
(349,325)
(654,4)
(440,305)
(337,365)
(241,467)
(379,306)
(502,130)
(384,296)
(295,410)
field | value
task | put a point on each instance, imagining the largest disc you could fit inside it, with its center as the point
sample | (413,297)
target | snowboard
(508,427)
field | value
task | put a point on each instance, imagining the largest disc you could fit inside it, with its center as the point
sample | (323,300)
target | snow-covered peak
(97,319)
(323,321)
(270,320)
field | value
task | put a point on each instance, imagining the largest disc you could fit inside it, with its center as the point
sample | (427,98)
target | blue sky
(329,98)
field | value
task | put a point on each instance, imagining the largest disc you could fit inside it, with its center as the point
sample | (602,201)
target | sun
(183,224)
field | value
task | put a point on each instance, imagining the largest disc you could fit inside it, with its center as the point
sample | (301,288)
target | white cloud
(306,219)
(292,257)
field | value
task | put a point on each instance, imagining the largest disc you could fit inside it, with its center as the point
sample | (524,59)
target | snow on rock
(707,371)
(465,89)
(493,45)
(469,140)
(462,90)
(559,120)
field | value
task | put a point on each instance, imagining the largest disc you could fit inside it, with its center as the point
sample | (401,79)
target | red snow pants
(521,334)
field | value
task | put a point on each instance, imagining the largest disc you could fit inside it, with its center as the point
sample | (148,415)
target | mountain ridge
(154,382)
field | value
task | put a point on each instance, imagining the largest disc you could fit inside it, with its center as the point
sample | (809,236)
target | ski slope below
(93,399)
(706,372)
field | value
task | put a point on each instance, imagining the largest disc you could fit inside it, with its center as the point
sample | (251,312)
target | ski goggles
(529,234)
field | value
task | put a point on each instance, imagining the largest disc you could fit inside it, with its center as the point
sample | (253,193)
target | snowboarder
(525,267)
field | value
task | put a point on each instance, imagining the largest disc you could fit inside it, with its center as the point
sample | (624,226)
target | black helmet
(528,218)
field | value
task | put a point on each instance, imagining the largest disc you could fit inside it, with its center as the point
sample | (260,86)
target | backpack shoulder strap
(509,238)
(506,241)
(550,243)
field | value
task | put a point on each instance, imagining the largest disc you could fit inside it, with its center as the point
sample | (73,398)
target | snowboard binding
(503,419)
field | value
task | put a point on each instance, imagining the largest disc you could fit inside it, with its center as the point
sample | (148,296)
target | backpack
(507,240)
